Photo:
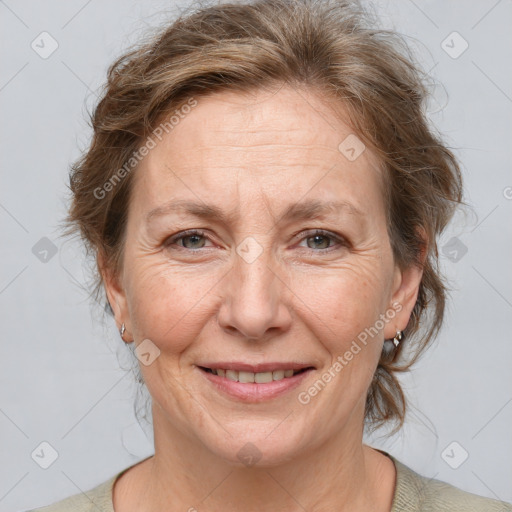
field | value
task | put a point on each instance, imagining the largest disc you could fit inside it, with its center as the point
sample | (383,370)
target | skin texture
(303,299)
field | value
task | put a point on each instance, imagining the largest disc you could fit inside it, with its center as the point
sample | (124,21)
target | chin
(260,449)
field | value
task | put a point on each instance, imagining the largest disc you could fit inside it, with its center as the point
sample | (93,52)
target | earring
(121,331)
(398,338)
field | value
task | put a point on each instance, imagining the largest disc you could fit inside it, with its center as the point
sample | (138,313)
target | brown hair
(331,47)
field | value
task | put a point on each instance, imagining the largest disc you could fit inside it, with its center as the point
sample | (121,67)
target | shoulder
(98,499)
(416,493)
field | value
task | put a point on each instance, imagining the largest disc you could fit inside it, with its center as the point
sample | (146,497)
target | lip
(253,392)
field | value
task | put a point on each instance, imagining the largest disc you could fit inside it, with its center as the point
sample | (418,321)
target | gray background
(60,379)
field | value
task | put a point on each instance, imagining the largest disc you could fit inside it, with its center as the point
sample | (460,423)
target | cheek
(170,307)
(342,304)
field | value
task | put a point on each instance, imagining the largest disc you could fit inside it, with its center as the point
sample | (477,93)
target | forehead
(280,144)
(258,120)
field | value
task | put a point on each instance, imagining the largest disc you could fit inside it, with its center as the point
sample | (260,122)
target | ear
(116,297)
(406,285)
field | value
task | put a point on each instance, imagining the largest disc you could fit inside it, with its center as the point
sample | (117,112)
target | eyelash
(184,234)
(302,235)
(337,239)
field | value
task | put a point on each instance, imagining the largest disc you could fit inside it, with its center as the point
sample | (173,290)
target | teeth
(263,377)
(231,375)
(259,378)
(246,377)
(278,375)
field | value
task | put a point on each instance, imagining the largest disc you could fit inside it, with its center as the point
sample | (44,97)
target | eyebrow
(312,209)
(197,209)
(309,209)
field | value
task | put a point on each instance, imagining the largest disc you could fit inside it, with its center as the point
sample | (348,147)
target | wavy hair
(330,47)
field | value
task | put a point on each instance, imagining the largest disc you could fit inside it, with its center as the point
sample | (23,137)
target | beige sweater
(413,493)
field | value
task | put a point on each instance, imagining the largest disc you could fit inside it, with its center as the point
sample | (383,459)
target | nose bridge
(254,297)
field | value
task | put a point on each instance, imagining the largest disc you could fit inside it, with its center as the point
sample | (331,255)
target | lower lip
(253,392)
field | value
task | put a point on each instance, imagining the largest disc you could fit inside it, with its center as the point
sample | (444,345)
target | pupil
(318,240)
(194,239)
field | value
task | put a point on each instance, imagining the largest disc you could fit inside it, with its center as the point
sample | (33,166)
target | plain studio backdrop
(61,383)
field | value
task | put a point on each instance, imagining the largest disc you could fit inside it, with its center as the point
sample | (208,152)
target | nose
(254,305)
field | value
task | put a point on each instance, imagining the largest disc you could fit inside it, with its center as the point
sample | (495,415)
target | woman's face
(287,265)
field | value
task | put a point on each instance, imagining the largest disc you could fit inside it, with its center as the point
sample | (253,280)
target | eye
(322,240)
(192,239)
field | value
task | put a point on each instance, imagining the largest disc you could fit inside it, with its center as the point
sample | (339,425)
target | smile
(254,386)
(258,378)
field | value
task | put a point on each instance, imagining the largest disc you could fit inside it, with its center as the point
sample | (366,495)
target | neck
(340,475)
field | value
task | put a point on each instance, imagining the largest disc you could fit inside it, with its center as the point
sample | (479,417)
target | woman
(263,194)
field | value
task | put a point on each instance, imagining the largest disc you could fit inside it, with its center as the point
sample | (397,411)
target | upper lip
(255,368)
